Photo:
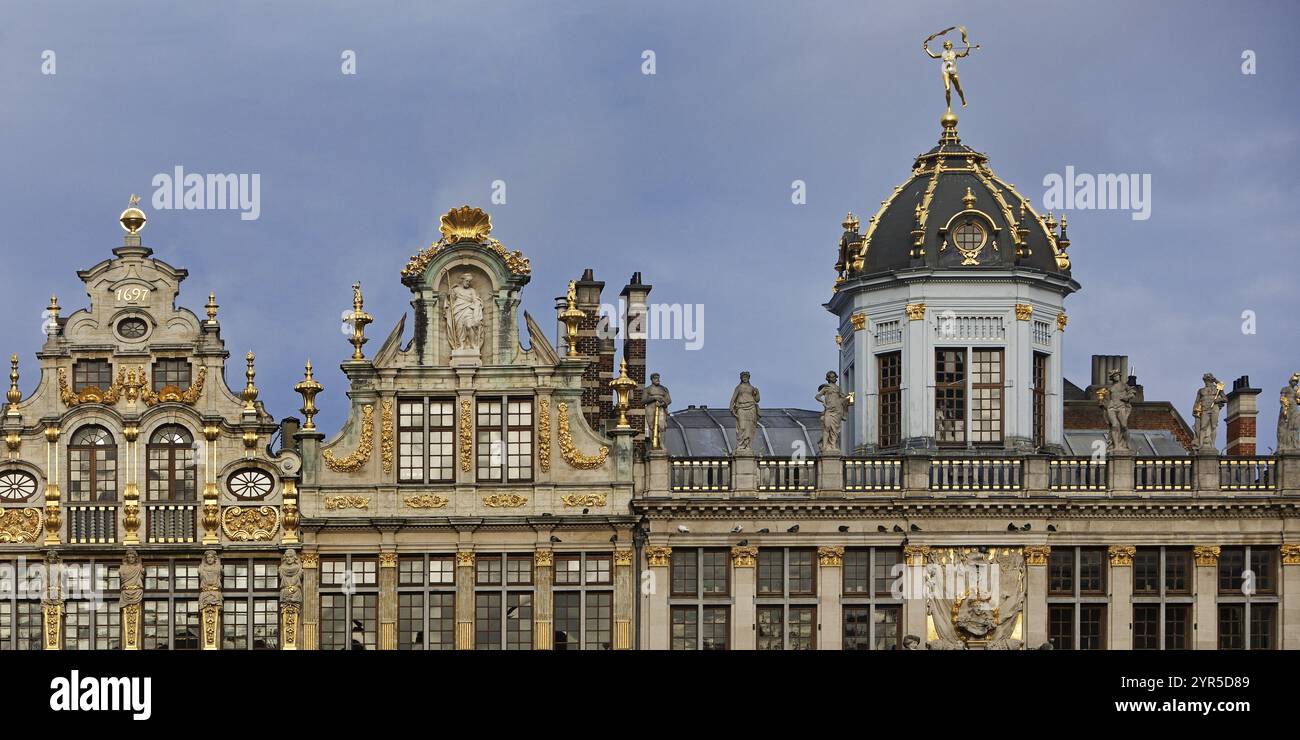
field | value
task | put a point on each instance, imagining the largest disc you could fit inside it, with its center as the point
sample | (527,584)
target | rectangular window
(872,628)
(890,372)
(503,614)
(857,571)
(803,627)
(519,620)
(600,621)
(489,447)
(1146,626)
(410,441)
(950,396)
(171,372)
(487,620)
(1232,626)
(1040,399)
(426,440)
(986,397)
(1178,621)
(91,373)
(1146,571)
(803,571)
(568,617)
(685,628)
(1092,626)
(685,572)
(1263,626)
(717,627)
(1092,570)
(1232,567)
(519,439)
(1263,565)
(1060,626)
(889,563)
(1060,571)
(1178,570)
(349,603)
(770,628)
(505,439)
(771,572)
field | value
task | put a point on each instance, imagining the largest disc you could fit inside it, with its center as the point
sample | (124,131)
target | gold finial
(851,223)
(359,319)
(14,395)
(968,199)
(212,307)
(308,387)
(572,316)
(133,219)
(623,386)
(53,308)
(250,391)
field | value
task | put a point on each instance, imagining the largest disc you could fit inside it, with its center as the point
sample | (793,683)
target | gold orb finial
(133,219)
(948,120)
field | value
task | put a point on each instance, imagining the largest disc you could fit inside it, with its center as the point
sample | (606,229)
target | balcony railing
(1162,474)
(873,475)
(994,474)
(787,475)
(1078,474)
(701,474)
(171,523)
(1247,474)
(92,525)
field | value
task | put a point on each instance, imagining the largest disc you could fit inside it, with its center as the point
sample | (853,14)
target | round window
(16,485)
(250,484)
(969,236)
(132,328)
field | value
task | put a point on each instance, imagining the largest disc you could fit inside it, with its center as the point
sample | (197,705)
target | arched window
(92,466)
(171,465)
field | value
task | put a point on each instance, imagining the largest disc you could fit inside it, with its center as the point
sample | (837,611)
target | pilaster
(1207,589)
(1120,635)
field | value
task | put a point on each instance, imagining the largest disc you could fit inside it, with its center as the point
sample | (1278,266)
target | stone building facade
(493,489)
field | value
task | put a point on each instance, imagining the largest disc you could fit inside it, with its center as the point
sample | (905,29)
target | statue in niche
(465,315)
(835,403)
(131,575)
(1206,410)
(656,399)
(290,579)
(1116,398)
(209,580)
(1288,417)
(744,406)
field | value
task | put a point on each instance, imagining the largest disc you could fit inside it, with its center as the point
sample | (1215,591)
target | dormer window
(91,373)
(968,397)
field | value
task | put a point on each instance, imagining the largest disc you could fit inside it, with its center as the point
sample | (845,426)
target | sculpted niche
(465,313)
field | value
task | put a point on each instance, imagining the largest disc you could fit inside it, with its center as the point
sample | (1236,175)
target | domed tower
(951,308)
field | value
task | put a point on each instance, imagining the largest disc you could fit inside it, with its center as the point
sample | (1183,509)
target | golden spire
(133,219)
(851,222)
(14,395)
(623,386)
(53,308)
(308,387)
(250,391)
(359,319)
(572,316)
(968,199)
(212,307)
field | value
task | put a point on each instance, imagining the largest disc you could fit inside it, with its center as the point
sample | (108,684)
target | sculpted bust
(464,315)
(744,406)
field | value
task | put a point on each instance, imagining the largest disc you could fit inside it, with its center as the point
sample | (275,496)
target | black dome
(953,212)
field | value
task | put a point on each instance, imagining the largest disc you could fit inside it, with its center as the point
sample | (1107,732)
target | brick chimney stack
(1243,407)
(635,333)
(597,398)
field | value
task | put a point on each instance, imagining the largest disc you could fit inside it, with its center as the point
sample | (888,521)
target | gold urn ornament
(308,387)
(623,386)
(572,316)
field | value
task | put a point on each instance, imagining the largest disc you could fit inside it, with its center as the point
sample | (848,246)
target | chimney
(1243,407)
(635,333)
(597,398)
(1102,365)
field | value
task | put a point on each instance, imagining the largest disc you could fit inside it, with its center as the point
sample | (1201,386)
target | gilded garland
(250,523)
(466,437)
(425,501)
(569,451)
(504,501)
(337,503)
(173,394)
(590,500)
(386,435)
(359,457)
(544,434)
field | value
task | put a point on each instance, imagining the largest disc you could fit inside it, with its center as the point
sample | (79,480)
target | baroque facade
(954,492)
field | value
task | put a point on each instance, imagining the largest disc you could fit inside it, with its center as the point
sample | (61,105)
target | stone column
(544,600)
(1036,594)
(623,596)
(743,560)
(310,601)
(465,600)
(658,621)
(388,600)
(1121,597)
(1207,588)
(1290,597)
(914,602)
(830,618)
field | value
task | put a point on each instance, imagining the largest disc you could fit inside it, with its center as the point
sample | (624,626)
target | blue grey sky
(685,175)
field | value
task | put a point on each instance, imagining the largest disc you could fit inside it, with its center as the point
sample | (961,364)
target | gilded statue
(949,57)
